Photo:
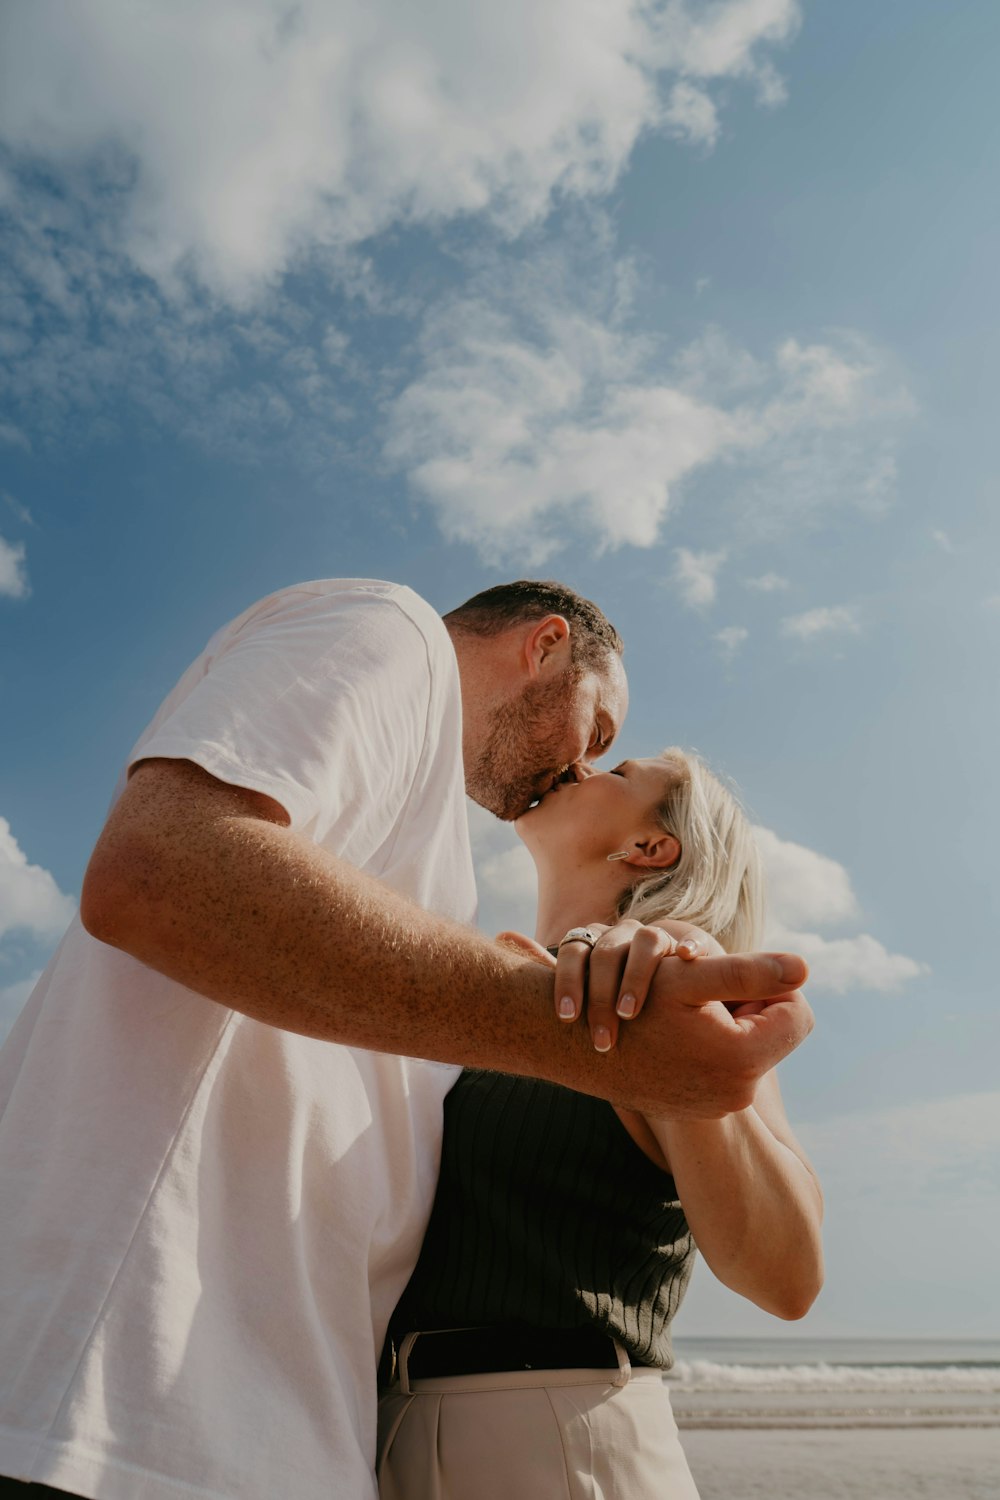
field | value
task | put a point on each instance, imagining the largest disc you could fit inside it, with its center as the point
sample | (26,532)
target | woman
(533,1334)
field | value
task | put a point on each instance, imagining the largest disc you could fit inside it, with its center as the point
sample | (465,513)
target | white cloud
(837,619)
(695,576)
(320,124)
(731,638)
(942,540)
(691,114)
(505,875)
(847,963)
(804,888)
(508,434)
(29,896)
(767,583)
(807,890)
(537,408)
(13,573)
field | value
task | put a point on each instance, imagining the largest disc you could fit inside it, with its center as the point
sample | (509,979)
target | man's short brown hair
(592,639)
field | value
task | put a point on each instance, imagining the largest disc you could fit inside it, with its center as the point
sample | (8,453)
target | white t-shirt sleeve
(319,700)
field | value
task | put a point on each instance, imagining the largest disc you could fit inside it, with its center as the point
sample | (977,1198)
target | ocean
(840,1419)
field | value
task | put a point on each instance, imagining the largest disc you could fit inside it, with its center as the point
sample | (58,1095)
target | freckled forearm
(253,916)
(207,884)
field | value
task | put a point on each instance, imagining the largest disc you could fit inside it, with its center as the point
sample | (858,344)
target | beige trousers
(532,1435)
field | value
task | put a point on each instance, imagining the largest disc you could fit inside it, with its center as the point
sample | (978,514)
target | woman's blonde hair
(717,882)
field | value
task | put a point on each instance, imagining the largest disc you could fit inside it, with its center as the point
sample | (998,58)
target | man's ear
(547,642)
(656,851)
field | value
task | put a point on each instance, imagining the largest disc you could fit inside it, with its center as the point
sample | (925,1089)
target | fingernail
(626,1007)
(689,945)
(567,1008)
(791,969)
(602,1039)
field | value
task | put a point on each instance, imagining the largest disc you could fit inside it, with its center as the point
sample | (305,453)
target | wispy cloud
(13,437)
(942,540)
(13,572)
(89,345)
(767,583)
(911,1149)
(696,576)
(807,890)
(690,113)
(894,1170)
(14,505)
(731,638)
(313,124)
(539,407)
(835,619)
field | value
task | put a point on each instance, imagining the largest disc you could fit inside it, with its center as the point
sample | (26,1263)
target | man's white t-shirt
(206,1222)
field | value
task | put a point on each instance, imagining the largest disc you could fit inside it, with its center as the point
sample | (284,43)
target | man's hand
(710,1030)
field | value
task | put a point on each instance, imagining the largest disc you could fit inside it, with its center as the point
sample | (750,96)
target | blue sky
(691,305)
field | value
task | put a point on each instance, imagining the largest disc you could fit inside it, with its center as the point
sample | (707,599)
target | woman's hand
(614,974)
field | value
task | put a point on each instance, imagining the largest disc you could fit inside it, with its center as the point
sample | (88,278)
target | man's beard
(525,748)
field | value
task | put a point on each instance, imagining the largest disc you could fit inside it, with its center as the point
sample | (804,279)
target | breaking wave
(707,1375)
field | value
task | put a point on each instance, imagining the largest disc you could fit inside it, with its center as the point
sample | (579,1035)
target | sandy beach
(846,1464)
(840,1419)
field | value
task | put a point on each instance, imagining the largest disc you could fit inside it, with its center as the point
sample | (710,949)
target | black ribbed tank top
(548,1214)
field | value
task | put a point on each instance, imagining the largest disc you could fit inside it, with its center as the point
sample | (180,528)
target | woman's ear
(657,851)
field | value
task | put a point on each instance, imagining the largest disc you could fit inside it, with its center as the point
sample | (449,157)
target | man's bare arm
(205,882)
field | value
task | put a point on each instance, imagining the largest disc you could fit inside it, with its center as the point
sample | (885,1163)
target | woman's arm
(750,1196)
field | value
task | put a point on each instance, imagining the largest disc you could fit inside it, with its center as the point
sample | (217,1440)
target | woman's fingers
(572,969)
(647,947)
(608,965)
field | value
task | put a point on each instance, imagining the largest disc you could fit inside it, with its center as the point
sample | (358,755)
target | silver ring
(579,935)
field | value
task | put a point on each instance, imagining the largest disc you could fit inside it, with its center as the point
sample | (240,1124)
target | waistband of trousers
(444,1353)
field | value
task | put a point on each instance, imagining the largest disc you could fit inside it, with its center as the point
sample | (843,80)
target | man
(209,1211)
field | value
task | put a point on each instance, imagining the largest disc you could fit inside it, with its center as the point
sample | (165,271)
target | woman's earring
(622,854)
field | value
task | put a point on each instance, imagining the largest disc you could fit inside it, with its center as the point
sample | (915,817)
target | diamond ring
(579,935)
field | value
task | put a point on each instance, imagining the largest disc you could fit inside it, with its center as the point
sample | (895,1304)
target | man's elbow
(113,903)
(101,906)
